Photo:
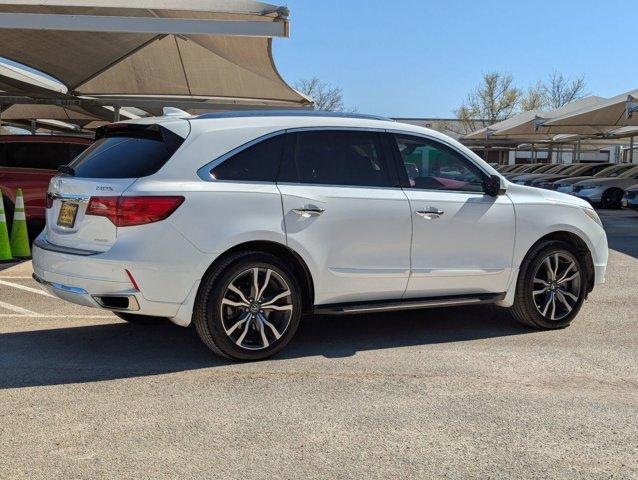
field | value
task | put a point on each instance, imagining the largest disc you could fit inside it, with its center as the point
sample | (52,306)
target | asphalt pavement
(449,393)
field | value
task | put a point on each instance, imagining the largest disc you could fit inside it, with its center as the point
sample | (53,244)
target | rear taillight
(130,211)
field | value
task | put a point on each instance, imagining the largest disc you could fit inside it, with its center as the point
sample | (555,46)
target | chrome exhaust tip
(118,302)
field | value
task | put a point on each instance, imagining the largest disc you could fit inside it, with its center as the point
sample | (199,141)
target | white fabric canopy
(597,119)
(121,56)
(528,127)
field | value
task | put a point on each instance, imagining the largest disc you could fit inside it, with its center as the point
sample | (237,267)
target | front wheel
(248,307)
(612,198)
(551,286)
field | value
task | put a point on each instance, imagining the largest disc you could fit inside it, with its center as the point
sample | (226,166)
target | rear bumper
(100,280)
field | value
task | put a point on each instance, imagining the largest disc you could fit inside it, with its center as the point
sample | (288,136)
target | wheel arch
(575,241)
(292,259)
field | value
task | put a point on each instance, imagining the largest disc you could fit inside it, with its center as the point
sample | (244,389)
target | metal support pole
(578,151)
(116,114)
(34,126)
(631,149)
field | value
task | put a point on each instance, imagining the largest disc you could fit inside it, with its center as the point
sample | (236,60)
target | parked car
(533,168)
(630,200)
(28,162)
(239,222)
(606,192)
(508,168)
(587,170)
(566,185)
(527,179)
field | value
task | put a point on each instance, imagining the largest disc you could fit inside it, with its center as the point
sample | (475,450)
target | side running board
(408,304)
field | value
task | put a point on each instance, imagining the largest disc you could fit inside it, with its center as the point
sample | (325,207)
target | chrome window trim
(204,172)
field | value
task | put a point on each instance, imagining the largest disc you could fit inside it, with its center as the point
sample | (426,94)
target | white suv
(241,222)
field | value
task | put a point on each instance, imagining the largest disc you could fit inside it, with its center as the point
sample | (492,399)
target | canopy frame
(121,24)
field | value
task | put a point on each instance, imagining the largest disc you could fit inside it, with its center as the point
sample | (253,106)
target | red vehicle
(28,162)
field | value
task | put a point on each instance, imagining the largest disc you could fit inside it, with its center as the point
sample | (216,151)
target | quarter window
(336,157)
(257,163)
(430,165)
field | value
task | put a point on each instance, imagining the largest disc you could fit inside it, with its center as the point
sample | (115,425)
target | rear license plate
(67,215)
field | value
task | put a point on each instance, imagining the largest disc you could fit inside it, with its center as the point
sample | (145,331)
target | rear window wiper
(66,170)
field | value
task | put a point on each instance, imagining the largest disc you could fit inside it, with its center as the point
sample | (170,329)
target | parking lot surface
(450,393)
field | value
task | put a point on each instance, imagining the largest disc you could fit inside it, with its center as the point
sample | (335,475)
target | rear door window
(336,157)
(124,156)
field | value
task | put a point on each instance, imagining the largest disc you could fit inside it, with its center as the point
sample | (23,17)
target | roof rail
(289,113)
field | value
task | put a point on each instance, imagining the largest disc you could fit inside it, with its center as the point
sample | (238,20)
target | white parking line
(21,277)
(14,308)
(28,289)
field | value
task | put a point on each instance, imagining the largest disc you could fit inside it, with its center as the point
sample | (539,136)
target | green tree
(495,99)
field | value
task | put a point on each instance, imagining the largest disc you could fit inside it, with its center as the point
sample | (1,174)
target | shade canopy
(487,132)
(212,50)
(17,81)
(73,115)
(533,127)
(599,118)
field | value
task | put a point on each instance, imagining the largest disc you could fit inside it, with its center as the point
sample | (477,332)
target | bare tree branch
(560,90)
(325,96)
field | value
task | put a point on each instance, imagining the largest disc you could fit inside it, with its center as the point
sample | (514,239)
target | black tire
(525,309)
(612,198)
(209,314)
(140,319)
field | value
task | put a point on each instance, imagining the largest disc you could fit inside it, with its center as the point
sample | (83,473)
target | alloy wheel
(256,308)
(557,283)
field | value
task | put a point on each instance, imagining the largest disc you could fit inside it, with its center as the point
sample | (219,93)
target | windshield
(613,171)
(126,154)
(631,173)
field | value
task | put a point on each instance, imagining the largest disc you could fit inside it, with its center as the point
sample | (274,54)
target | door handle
(308,212)
(430,214)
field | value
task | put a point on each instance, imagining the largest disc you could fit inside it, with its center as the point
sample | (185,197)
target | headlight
(591,213)
(589,187)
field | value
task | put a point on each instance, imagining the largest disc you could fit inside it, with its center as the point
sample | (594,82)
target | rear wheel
(140,319)
(551,286)
(612,198)
(248,307)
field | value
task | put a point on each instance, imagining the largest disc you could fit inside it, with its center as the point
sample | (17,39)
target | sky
(411,58)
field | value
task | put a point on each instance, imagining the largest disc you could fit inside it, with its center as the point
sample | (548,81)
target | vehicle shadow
(120,350)
(621,227)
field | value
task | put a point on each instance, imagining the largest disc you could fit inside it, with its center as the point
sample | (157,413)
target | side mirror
(493,186)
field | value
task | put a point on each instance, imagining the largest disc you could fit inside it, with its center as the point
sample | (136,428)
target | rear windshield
(122,155)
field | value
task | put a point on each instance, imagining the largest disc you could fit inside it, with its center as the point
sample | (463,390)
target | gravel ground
(451,393)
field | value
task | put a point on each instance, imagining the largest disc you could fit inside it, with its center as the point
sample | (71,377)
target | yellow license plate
(67,215)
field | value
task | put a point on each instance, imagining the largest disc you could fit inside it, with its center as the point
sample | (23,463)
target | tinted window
(258,163)
(432,166)
(122,157)
(35,155)
(334,157)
